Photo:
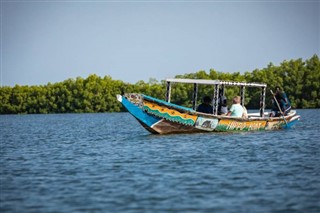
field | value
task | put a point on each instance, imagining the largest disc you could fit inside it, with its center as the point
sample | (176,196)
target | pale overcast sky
(51,41)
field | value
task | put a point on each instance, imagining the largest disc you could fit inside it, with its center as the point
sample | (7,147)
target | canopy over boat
(219,88)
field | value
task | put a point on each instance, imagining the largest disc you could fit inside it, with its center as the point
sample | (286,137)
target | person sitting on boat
(283,102)
(236,109)
(222,108)
(206,106)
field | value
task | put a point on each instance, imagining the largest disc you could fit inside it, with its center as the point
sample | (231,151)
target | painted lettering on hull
(231,125)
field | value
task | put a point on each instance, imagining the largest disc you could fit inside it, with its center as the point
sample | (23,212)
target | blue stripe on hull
(290,124)
(143,117)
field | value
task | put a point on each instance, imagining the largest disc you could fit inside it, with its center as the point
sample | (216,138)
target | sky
(51,41)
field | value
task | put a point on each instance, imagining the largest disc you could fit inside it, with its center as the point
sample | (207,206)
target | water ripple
(94,163)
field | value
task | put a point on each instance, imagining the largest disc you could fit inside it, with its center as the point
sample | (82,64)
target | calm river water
(109,163)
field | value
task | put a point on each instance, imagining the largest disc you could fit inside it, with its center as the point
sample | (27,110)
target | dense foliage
(299,79)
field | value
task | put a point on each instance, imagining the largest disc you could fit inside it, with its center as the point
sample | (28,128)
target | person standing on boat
(236,109)
(206,106)
(283,102)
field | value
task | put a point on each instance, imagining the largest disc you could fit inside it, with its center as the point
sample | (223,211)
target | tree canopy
(299,79)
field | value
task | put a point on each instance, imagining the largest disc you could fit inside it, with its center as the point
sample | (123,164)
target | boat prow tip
(119,98)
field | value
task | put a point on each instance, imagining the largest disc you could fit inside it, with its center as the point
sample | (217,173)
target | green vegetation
(299,79)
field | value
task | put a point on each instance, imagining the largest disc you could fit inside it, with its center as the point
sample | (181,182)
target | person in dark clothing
(222,107)
(283,102)
(206,106)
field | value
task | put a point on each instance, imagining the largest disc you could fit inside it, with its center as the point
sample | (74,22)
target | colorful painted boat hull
(160,117)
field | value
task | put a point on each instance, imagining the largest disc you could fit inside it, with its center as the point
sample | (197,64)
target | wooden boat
(163,117)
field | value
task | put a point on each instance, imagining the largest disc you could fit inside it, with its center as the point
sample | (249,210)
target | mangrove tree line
(299,79)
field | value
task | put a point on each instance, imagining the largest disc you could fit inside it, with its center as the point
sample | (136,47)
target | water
(109,163)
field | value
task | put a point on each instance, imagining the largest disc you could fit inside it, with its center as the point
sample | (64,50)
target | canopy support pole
(215,99)
(242,94)
(168,92)
(195,96)
(262,101)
